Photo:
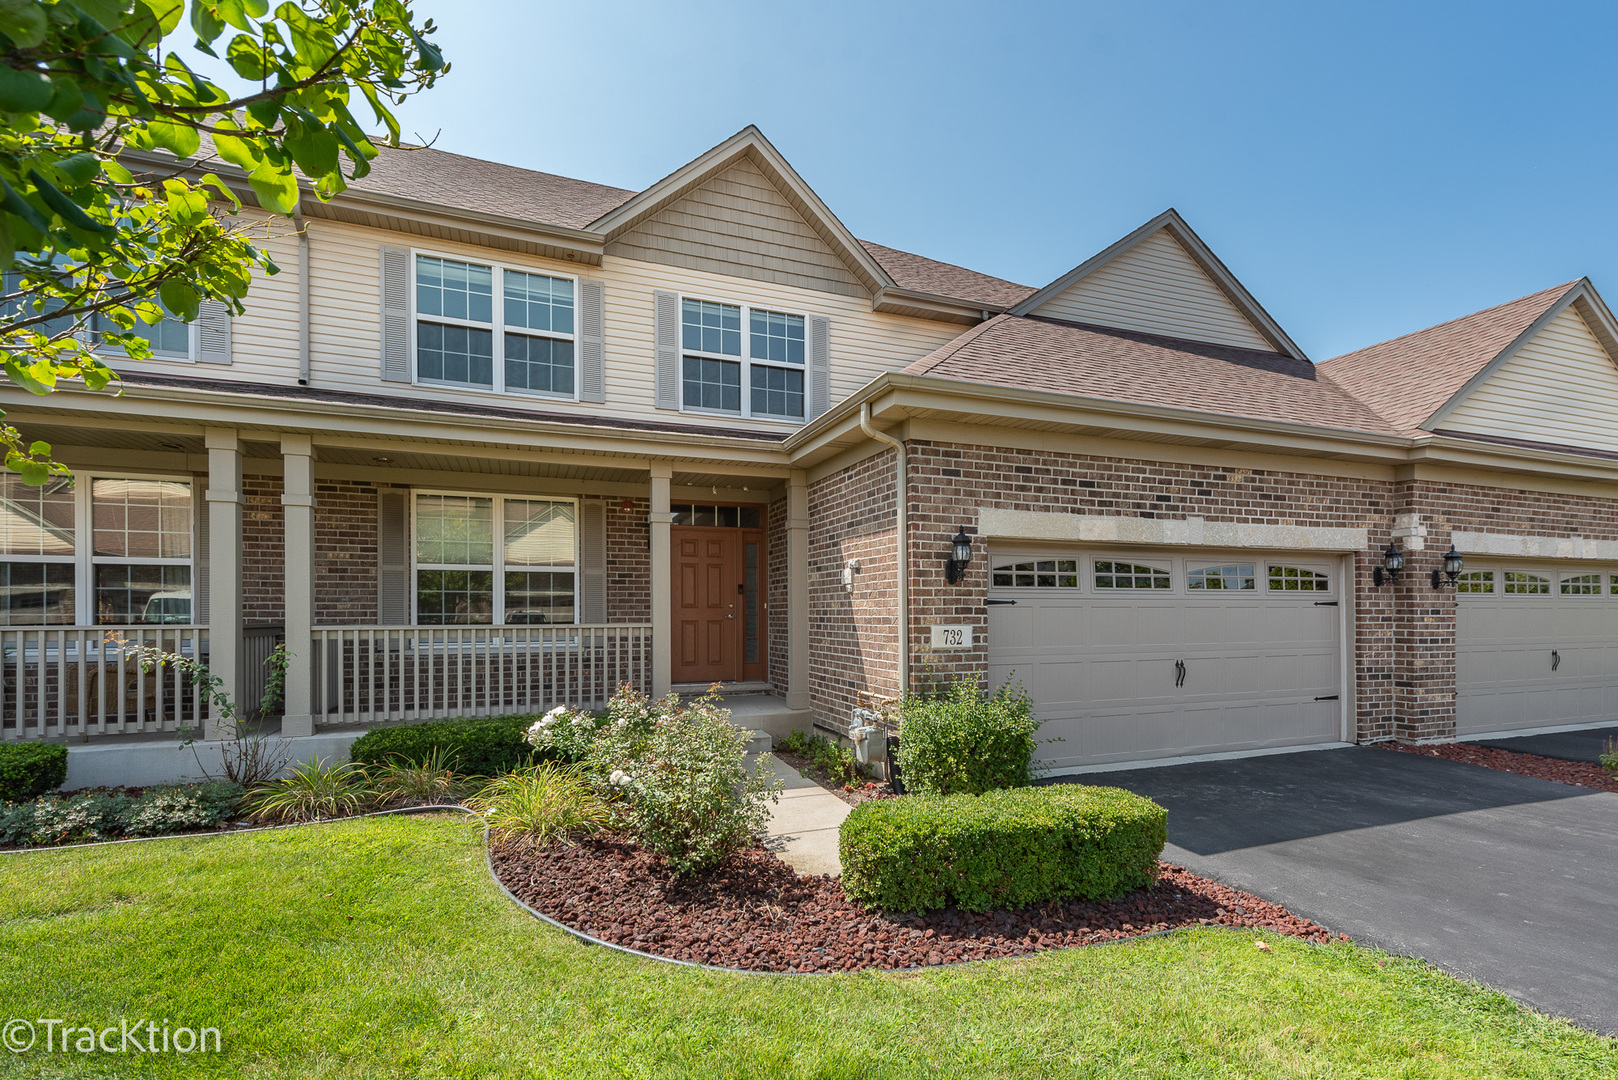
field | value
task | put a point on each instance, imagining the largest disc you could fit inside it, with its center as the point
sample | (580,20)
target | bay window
(489,559)
(524,343)
(764,379)
(110,550)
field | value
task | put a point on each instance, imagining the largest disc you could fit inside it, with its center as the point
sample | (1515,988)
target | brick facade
(629,561)
(775,593)
(345,552)
(1403,635)
(263,552)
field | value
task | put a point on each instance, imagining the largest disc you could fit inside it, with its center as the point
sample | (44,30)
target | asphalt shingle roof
(1147,369)
(1408,379)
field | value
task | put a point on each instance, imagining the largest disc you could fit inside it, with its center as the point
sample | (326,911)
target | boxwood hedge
(1004,848)
(30,769)
(488,746)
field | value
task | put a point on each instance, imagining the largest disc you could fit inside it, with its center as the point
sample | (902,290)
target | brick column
(1424,625)
(798,591)
(298,502)
(662,583)
(224,498)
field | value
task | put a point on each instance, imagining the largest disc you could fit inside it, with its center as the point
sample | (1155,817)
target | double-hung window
(171,338)
(484,559)
(113,551)
(494,328)
(741,360)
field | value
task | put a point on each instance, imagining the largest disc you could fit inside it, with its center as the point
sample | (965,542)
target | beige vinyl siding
(264,340)
(738,224)
(1156,287)
(1561,387)
(346,331)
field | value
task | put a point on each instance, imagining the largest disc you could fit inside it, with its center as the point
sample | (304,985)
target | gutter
(302,226)
(901,541)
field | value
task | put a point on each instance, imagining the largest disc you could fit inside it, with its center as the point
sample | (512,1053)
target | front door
(718,604)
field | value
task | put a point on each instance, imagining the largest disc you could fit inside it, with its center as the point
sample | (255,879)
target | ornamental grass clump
(674,775)
(540,804)
(963,741)
(402,782)
(311,791)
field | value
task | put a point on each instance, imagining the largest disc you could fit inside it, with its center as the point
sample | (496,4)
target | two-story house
(495,439)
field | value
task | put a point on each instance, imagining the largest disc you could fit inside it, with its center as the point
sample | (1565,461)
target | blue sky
(1365,169)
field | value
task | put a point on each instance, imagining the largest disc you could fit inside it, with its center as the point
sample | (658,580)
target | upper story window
(763,377)
(461,331)
(170,337)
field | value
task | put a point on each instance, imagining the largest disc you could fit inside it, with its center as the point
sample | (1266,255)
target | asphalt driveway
(1501,878)
(1586,744)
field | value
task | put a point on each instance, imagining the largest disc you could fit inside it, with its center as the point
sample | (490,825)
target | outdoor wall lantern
(1452,568)
(959,556)
(1393,561)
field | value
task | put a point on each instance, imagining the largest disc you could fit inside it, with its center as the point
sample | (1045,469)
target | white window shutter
(395,315)
(393,557)
(199,553)
(592,341)
(213,332)
(819,365)
(592,562)
(666,333)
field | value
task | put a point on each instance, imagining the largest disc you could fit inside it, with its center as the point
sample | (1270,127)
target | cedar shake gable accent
(1098,362)
(1410,379)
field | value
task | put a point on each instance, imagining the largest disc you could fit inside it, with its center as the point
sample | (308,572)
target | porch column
(798,590)
(298,508)
(224,498)
(662,582)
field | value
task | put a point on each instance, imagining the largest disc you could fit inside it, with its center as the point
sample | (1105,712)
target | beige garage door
(1536,646)
(1132,656)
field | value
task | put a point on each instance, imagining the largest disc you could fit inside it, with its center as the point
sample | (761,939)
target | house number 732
(952,637)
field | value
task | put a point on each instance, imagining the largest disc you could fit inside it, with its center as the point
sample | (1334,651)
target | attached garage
(1536,646)
(1136,655)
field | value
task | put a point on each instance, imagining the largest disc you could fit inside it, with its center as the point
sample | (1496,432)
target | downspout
(902,542)
(302,226)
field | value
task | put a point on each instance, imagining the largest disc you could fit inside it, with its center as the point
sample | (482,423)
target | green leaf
(431,58)
(206,23)
(24,22)
(43,449)
(34,473)
(248,58)
(179,139)
(358,153)
(315,151)
(165,13)
(276,188)
(241,153)
(14,203)
(80,168)
(180,298)
(24,377)
(65,208)
(66,99)
(24,91)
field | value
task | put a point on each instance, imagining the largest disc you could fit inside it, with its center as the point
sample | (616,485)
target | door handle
(1556,659)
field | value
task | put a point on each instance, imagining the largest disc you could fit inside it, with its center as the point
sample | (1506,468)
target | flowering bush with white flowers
(675,774)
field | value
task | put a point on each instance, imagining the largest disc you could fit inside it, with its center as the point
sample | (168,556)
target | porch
(312,541)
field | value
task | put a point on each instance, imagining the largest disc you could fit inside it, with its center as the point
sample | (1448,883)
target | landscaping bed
(853,794)
(1578,773)
(754,913)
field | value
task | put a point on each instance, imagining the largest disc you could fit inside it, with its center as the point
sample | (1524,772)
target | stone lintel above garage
(1189,532)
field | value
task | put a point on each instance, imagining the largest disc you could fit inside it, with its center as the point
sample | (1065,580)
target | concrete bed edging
(488,862)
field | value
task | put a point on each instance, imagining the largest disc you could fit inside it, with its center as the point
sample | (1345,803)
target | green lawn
(381,948)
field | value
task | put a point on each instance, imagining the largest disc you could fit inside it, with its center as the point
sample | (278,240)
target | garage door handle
(1325,603)
(1327,697)
(1556,659)
(999,601)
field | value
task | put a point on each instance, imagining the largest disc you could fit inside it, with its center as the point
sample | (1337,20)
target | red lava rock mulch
(754,913)
(1578,773)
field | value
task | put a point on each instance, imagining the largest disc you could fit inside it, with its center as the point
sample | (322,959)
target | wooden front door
(720,618)
(707,604)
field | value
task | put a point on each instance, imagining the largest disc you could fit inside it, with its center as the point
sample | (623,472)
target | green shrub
(966,742)
(1005,848)
(30,769)
(311,791)
(833,759)
(674,774)
(479,747)
(399,782)
(1609,759)
(168,810)
(540,804)
(100,815)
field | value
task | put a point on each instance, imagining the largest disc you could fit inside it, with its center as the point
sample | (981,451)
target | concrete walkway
(803,825)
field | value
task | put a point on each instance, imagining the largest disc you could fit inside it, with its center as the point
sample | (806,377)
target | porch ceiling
(158,441)
(391,458)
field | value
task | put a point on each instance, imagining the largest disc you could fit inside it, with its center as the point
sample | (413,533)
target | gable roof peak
(1222,279)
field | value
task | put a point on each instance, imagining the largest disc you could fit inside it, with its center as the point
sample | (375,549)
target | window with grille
(762,375)
(1522,583)
(1122,575)
(1297,579)
(1037,574)
(494,327)
(1237,576)
(465,544)
(1581,585)
(1475,581)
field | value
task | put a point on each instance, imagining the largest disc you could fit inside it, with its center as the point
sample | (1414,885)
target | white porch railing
(374,674)
(82,681)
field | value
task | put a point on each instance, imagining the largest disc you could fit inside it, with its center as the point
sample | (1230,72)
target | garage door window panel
(1522,583)
(1581,584)
(1476,581)
(1121,575)
(1037,574)
(1238,577)
(1298,579)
